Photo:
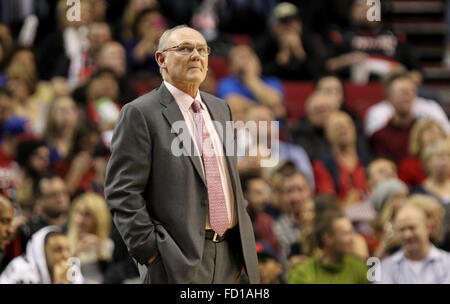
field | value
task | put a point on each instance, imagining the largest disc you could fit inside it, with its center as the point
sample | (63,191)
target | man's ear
(160,59)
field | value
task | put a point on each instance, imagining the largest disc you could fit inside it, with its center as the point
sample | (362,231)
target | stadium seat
(296,94)
(359,98)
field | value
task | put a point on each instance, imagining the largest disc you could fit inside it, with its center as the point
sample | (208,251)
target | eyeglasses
(187,49)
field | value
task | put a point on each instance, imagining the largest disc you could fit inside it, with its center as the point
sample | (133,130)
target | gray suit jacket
(159,202)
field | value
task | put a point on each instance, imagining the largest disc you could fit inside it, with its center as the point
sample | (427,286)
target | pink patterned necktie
(218,215)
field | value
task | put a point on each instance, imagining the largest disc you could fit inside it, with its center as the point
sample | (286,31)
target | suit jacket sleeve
(126,180)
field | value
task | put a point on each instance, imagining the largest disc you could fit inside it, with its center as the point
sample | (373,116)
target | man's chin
(411,249)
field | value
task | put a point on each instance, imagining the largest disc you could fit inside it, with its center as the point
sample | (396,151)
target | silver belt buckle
(215,240)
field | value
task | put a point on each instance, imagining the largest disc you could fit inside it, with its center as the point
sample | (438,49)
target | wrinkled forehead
(185,35)
(410,216)
(329,81)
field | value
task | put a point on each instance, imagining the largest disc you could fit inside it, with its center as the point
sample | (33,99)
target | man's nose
(195,53)
(10,229)
(66,254)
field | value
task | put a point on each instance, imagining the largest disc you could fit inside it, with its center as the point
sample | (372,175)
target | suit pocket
(156,260)
(156,272)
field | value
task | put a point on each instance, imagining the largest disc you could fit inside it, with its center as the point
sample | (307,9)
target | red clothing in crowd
(263,228)
(391,142)
(347,179)
(9,175)
(411,171)
(62,168)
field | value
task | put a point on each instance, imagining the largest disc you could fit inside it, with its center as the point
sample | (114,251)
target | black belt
(213,236)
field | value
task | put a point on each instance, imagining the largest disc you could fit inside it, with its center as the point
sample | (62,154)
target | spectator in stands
(110,57)
(247,85)
(60,54)
(334,264)
(368,48)
(62,123)
(103,93)
(257,193)
(294,191)
(279,150)
(99,33)
(46,261)
(309,132)
(401,89)
(333,85)
(379,170)
(6,108)
(206,20)
(305,245)
(99,8)
(419,261)
(6,228)
(435,218)
(78,169)
(51,206)
(88,233)
(424,131)
(436,159)
(289,51)
(387,197)
(9,169)
(325,204)
(276,179)
(391,140)
(132,9)
(342,170)
(33,157)
(31,96)
(147,28)
(270,269)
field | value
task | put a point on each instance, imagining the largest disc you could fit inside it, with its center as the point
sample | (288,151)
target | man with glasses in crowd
(182,217)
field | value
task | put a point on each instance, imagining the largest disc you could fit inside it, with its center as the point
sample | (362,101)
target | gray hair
(165,36)
(385,190)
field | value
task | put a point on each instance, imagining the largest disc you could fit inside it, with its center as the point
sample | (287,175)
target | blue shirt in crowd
(434,269)
(232,85)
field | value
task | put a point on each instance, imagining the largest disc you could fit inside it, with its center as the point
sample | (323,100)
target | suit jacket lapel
(172,113)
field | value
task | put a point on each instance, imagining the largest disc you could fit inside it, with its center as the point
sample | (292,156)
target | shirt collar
(183,99)
(433,254)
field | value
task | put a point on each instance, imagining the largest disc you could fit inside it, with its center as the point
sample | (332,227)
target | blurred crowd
(345,186)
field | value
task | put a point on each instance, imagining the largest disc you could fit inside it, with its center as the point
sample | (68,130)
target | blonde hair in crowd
(96,206)
(441,146)
(415,142)
(430,206)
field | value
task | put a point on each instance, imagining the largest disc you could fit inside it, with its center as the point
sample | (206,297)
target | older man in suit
(182,217)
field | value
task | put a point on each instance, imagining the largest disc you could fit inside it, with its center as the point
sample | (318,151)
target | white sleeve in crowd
(431,109)
(378,116)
